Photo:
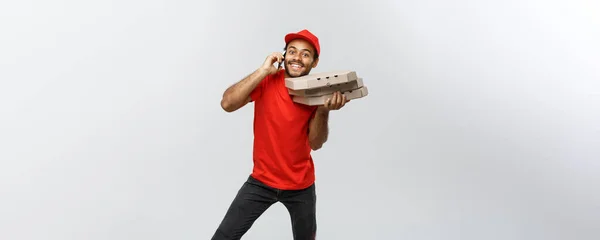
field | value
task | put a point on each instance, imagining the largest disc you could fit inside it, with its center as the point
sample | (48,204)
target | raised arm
(238,95)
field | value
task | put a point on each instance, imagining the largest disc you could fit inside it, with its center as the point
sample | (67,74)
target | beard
(305,72)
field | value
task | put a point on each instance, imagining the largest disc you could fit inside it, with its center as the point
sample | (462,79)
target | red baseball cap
(306,35)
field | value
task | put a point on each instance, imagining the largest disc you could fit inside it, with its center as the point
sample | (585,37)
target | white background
(482,120)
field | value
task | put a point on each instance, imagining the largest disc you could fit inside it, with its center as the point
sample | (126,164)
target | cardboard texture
(315,88)
(320,80)
(316,92)
(320,100)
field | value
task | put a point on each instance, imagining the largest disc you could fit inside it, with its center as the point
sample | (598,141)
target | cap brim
(292,36)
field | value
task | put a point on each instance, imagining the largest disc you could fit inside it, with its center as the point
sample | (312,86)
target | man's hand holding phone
(269,67)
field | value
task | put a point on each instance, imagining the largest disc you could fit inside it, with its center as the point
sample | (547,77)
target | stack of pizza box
(314,89)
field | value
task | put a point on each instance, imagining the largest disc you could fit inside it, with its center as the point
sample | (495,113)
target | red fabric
(306,35)
(282,155)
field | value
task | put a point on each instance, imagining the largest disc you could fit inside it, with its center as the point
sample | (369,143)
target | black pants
(254,198)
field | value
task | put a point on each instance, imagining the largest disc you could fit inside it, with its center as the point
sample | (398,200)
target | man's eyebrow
(308,50)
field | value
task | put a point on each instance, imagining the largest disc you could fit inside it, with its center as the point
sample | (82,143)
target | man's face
(299,58)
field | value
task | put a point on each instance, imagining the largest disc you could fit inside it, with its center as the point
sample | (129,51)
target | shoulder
(275,78)
(280,75)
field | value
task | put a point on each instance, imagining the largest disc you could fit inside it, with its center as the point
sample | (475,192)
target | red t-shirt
(282,155)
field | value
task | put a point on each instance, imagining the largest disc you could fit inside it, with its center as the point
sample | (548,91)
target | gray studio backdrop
(482,120)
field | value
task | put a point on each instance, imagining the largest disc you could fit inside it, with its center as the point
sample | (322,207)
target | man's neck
(285,73)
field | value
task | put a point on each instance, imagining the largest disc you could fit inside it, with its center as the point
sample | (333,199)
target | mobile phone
(279,66)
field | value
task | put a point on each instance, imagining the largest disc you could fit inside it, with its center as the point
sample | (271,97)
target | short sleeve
(258,90)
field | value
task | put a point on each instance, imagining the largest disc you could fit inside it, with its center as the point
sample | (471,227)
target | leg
(250,202)
(301,205)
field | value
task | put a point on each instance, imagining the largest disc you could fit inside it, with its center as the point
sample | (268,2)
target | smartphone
(279,66)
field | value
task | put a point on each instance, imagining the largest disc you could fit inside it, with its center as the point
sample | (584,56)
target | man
(285,132)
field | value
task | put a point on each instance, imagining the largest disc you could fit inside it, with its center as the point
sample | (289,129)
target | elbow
(227,106)
(315,146)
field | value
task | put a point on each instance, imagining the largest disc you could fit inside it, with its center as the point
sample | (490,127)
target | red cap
(306,35)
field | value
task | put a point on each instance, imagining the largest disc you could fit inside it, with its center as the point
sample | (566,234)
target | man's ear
(315,63)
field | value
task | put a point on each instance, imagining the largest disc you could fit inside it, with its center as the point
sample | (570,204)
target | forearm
(237,95)
(318,129)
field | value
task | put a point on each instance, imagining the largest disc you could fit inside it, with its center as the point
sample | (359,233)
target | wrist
(262,71)
(322,110)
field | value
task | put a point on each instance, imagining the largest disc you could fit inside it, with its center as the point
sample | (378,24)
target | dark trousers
(254,198)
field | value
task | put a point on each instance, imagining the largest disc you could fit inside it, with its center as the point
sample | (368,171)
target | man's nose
(295,57)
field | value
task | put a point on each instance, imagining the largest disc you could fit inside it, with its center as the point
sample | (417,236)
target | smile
(295,66)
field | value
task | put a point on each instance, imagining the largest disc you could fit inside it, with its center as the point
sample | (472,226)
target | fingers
(278,57)
(280,62)
(340,101)
(337,101)
(343,101)
(334,101)
(275,57)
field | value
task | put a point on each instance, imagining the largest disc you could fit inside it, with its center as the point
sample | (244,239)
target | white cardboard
(320,100)
(320,91)
(323,79)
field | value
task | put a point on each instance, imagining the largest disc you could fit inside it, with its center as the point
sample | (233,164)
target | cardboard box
(320,91)
(317,80)
(320,100)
